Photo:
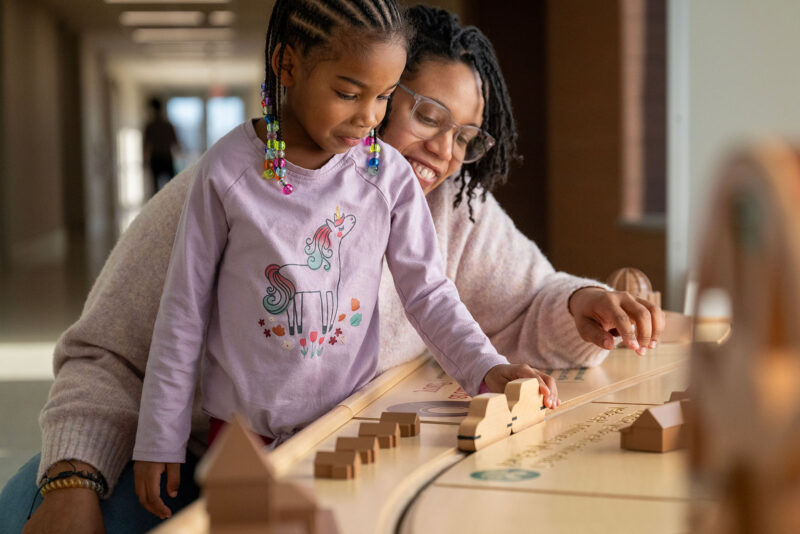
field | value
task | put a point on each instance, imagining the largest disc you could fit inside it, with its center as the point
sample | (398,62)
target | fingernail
(652,344)
(642,351)
(635,344)
(173,494)
(608,344)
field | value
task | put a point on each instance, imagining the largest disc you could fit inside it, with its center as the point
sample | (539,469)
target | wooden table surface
(567,474)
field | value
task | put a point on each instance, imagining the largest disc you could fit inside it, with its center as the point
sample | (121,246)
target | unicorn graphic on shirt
(290,284)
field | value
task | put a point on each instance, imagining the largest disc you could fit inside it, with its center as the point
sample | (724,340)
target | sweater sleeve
(430,299)
(99,362)
(179,331)
(514,292)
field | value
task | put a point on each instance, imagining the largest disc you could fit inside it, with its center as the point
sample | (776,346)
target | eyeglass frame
(418,98)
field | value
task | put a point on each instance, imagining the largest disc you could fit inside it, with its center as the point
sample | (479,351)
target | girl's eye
(345,96)
(385,97)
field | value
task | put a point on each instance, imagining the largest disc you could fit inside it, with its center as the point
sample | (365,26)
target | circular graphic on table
(505,475)
(433,408)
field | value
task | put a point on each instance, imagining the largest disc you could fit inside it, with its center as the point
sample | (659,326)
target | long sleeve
(179,332)
(99,362)
(511,288)
(430,299)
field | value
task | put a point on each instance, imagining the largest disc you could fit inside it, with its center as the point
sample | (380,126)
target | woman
(451,118)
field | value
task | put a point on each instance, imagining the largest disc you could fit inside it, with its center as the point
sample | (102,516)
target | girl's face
(455,86)
(333,104)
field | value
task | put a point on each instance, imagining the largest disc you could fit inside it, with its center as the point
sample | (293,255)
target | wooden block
(337,464)
(525,403)
(488,420)
(678,396)
(409,422)
(658,429)
(388,434)
(366,446)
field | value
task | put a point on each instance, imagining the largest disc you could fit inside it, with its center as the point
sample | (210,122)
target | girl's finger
(173,479)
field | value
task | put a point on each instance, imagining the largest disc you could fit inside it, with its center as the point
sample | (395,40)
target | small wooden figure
(487,421)
(365,446)
(388,433)
(340,465)
(409,422)
(658,429)
(242,495)
(525,403)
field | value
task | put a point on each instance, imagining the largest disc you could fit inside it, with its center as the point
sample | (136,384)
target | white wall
(734,68)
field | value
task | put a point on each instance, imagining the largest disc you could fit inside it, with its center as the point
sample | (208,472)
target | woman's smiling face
(454,85)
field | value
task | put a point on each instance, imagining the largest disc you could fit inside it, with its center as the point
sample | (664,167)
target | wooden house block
(388,433)
(341,465)
(658,429)
(409,422)
(525,403)
(242,495)
(488,420)
(366,446)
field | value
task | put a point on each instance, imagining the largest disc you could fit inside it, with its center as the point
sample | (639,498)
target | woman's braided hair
(321,26)
(440,36)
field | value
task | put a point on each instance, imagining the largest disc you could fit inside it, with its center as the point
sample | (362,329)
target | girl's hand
(500,375)
(601,314)
(148,485)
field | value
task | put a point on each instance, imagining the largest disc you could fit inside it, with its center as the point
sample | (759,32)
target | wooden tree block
(337,464)
(634,282)
(409,422)
(658,429)
(365,446)
(388,434)
(488,420)
(525,403)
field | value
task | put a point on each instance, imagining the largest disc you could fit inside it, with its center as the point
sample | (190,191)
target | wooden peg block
(388,434)
(525,403)
(488,420)
(365,446)
(409,422)
(337,464)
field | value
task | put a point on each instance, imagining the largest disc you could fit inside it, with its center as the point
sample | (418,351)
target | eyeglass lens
(429,120)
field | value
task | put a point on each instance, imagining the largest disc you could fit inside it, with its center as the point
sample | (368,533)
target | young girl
(277,261)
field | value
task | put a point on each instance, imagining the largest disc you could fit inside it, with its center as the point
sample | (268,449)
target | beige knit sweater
(505,281)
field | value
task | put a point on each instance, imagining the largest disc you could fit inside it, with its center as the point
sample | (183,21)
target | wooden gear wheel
(745,425)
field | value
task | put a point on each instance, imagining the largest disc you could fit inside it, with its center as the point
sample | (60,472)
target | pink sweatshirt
(273,298)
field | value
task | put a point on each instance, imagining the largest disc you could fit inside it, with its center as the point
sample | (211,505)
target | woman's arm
(509,286)
(92,411)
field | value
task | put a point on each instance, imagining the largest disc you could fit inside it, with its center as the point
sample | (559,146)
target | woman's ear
(289,67)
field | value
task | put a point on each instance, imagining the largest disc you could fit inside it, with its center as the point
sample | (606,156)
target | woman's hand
(148,485)
(500,375)
(600,315)
(67,511)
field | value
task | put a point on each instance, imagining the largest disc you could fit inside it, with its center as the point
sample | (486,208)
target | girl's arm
(509,286)
(93,407)
(179,331)
(430,300)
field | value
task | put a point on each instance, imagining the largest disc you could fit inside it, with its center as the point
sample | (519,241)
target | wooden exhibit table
(566,474)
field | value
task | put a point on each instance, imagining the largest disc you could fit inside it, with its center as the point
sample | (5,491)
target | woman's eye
(385,97)
(345,96)
(428,121)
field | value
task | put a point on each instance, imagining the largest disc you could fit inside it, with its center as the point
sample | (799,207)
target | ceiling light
(221,18)
(153,35)
(161,18)
(167,1)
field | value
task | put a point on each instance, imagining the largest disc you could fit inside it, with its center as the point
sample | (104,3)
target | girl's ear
(291,63)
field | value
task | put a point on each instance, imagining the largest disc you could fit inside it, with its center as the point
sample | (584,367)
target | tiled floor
(36,305)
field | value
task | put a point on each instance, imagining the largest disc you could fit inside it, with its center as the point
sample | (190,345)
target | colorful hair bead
(373,163)
(274,162)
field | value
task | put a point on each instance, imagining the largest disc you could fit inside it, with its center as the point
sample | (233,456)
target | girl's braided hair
(318,27)
(440,36)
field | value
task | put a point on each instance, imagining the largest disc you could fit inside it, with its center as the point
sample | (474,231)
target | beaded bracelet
(99,481)
(71,483)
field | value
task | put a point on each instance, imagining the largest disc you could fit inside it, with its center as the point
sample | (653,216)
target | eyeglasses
(430,119)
